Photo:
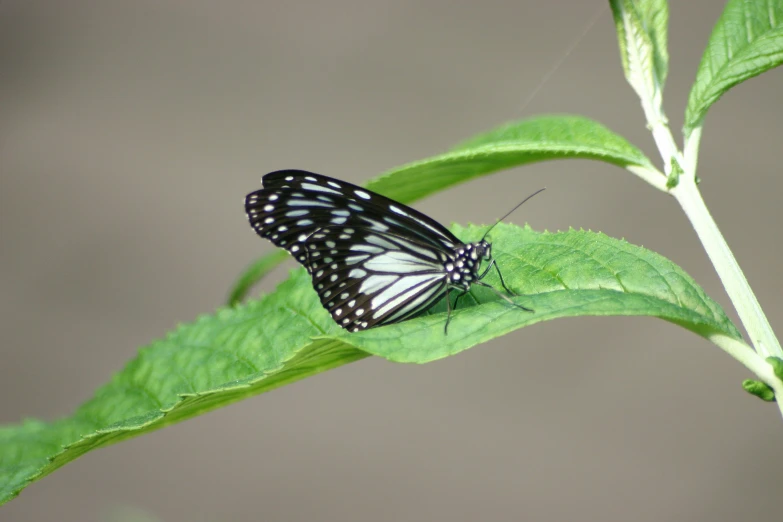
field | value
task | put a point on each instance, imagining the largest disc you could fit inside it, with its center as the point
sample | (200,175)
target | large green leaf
(564,274)
(746,41)
(519,143)
(285,336)
(511,145)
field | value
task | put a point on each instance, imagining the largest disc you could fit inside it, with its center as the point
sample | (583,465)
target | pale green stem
(752,361)
(692,140)
(748,308)
(687,193)
(652,176)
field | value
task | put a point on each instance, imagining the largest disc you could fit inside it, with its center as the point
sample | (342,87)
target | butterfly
(373,261)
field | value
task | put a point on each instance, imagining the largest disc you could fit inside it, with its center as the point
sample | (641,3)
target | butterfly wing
(364,206)
(372,260)
(366,278)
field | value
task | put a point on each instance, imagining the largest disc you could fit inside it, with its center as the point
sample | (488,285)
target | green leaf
(285,336)
(253,274)
(642,29)
(746,41)
(217,360)
(564,274)
(514,144)
(760,389)
(655,18)
(519,143)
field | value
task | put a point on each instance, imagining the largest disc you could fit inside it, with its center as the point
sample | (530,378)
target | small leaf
(519,143)
(674,178)
(642,29)
(777,366)
(746,41)
(655,17)
(759,389)
(285,336)
(253,274)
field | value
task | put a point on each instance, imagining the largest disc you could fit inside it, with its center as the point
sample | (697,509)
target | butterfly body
(372,260)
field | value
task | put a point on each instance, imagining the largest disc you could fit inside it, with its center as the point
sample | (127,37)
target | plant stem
(687,194)
(752,316)
(752,361)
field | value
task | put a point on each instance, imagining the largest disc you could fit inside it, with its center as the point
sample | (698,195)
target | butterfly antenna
(539,191)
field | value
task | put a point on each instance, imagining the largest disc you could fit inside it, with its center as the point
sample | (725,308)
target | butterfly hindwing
(366,278)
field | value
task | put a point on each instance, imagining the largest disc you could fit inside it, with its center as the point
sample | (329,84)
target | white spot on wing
(308,203)
(318,188)
(401,291)
(376,240)
(296,213)
(375,283)
(361,247)
(398,262)
(424,300)
(411,246)
(352,260)
(398,210)
(362,194)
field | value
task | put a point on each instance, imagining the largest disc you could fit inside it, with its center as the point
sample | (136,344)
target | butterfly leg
(448,306)
(502,296)
(502,281)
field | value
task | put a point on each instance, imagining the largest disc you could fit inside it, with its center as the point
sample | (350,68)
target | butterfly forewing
(346,204)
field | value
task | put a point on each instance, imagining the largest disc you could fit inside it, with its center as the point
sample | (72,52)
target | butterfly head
(463,267)
(483,250)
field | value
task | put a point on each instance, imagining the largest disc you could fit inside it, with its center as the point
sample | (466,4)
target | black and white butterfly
(373,261)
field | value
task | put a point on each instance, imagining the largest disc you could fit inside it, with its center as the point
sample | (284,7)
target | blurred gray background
(131,130)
